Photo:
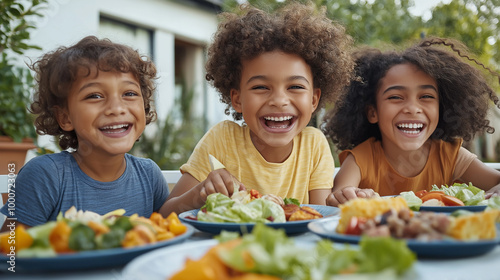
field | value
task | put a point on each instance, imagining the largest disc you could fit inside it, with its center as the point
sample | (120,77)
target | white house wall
(65,22)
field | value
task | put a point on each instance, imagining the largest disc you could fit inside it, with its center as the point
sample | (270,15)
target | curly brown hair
(56,72)
(296,29)
(464,93)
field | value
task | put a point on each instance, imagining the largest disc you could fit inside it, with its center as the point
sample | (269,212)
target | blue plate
(425,249)
(89,259)
(451,209)
(289,227)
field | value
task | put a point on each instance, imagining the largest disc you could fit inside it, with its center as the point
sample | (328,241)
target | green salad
(467,193)
(276,254)
(220,208)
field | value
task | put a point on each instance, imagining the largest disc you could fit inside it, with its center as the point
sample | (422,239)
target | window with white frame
(128,34)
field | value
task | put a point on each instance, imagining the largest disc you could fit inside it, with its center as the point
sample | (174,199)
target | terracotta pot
(13,153)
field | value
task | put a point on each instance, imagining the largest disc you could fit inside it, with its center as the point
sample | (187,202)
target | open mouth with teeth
(411,128)
(283,122)
(115,129)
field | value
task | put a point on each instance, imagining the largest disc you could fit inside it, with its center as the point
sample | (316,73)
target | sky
(423,7)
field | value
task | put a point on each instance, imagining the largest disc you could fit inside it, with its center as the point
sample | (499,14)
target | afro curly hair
(295,29)
(464,93)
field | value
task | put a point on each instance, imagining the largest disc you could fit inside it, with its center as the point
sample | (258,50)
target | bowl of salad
(244,209)
(459,196)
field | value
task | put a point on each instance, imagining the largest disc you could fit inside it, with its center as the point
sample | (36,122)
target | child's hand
(343,195)
(219,181)
(495,191)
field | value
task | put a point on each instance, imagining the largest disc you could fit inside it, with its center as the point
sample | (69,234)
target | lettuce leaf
(269,251)
(468,193)
(493,203)
(290,200)
(222,209)
(413,201)
(40,235)
(380,253)
(217,200)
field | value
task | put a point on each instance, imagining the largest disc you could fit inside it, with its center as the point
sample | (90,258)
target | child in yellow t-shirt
(273,71)
(401,125)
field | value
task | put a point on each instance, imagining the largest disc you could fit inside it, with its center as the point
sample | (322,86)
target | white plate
(163,263)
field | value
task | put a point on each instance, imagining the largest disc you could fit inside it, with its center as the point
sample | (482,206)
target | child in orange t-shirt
(401,124)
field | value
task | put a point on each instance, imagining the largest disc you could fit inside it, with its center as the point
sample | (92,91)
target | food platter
(450,248)
(162,263)
(89,259)
(451,209)
(289,227)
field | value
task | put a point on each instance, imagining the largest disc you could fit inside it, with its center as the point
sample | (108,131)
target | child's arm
(346,182)
(483,177)
(189,193)
(318,196)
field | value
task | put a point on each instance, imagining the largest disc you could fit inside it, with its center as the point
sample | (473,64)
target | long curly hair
(57,71)
(464,93)
(295,29)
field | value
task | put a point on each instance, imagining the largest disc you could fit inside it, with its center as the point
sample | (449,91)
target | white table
(485,267)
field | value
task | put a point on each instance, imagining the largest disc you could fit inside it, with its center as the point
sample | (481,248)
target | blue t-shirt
(50,184)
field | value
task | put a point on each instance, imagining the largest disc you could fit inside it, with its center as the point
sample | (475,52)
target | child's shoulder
(141,164)
(139,160)
(55,158)
(228,127)
(310,131)
(447,146)
(312,137)
(50,163)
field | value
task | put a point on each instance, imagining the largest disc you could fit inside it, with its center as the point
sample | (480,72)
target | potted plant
(17,132)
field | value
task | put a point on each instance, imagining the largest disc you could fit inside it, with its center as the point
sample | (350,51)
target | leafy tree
(380,22)
(16,22)
(473,22)
(369,22)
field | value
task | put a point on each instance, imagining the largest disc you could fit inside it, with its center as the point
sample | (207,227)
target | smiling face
(277,99)
(106,110)
(407,108)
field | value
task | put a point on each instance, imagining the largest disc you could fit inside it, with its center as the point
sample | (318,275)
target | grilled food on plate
(391,216)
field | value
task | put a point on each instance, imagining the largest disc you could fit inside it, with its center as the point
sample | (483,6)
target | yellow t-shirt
(378,174)
(310,166)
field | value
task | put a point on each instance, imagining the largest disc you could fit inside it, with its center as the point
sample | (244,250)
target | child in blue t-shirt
(95,97)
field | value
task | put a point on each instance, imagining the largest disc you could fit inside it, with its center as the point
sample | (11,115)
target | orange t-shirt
(379,175)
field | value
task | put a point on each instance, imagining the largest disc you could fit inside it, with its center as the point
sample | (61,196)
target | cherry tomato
(254,194)
(354,225)
(421,193)
(451,201)
(432,195)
